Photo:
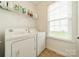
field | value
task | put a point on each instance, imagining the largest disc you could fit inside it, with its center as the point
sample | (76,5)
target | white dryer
(40,40)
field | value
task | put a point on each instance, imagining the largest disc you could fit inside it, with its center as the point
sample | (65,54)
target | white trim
(53,38)
(70,40)
(61,53)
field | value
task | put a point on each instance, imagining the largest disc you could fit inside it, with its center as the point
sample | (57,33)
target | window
(59,20)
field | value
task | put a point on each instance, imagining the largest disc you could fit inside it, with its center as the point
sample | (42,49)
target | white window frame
(70,40)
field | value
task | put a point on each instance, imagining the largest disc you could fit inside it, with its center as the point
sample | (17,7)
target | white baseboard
(61,53)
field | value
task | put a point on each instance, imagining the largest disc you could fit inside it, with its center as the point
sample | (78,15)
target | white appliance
(21,43)
(40,41)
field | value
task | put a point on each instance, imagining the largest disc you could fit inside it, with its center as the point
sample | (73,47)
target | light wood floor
(49,53)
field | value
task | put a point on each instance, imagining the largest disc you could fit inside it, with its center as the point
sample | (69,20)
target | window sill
(70,41)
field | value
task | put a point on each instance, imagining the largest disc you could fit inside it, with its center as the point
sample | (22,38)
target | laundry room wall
(10,19)
(42,17)
(63,47)
(42,10)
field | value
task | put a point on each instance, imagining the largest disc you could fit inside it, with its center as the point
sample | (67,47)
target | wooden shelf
(17,12)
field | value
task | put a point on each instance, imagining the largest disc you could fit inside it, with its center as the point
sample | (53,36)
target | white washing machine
(19,43)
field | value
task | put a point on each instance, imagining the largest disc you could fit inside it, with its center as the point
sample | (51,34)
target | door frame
(75,26)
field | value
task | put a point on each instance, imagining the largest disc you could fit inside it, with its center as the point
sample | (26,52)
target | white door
(77,41)
(24,48)
(75,28)
(40,42)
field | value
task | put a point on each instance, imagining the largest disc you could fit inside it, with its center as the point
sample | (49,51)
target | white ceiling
(35,2)
(41,2)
